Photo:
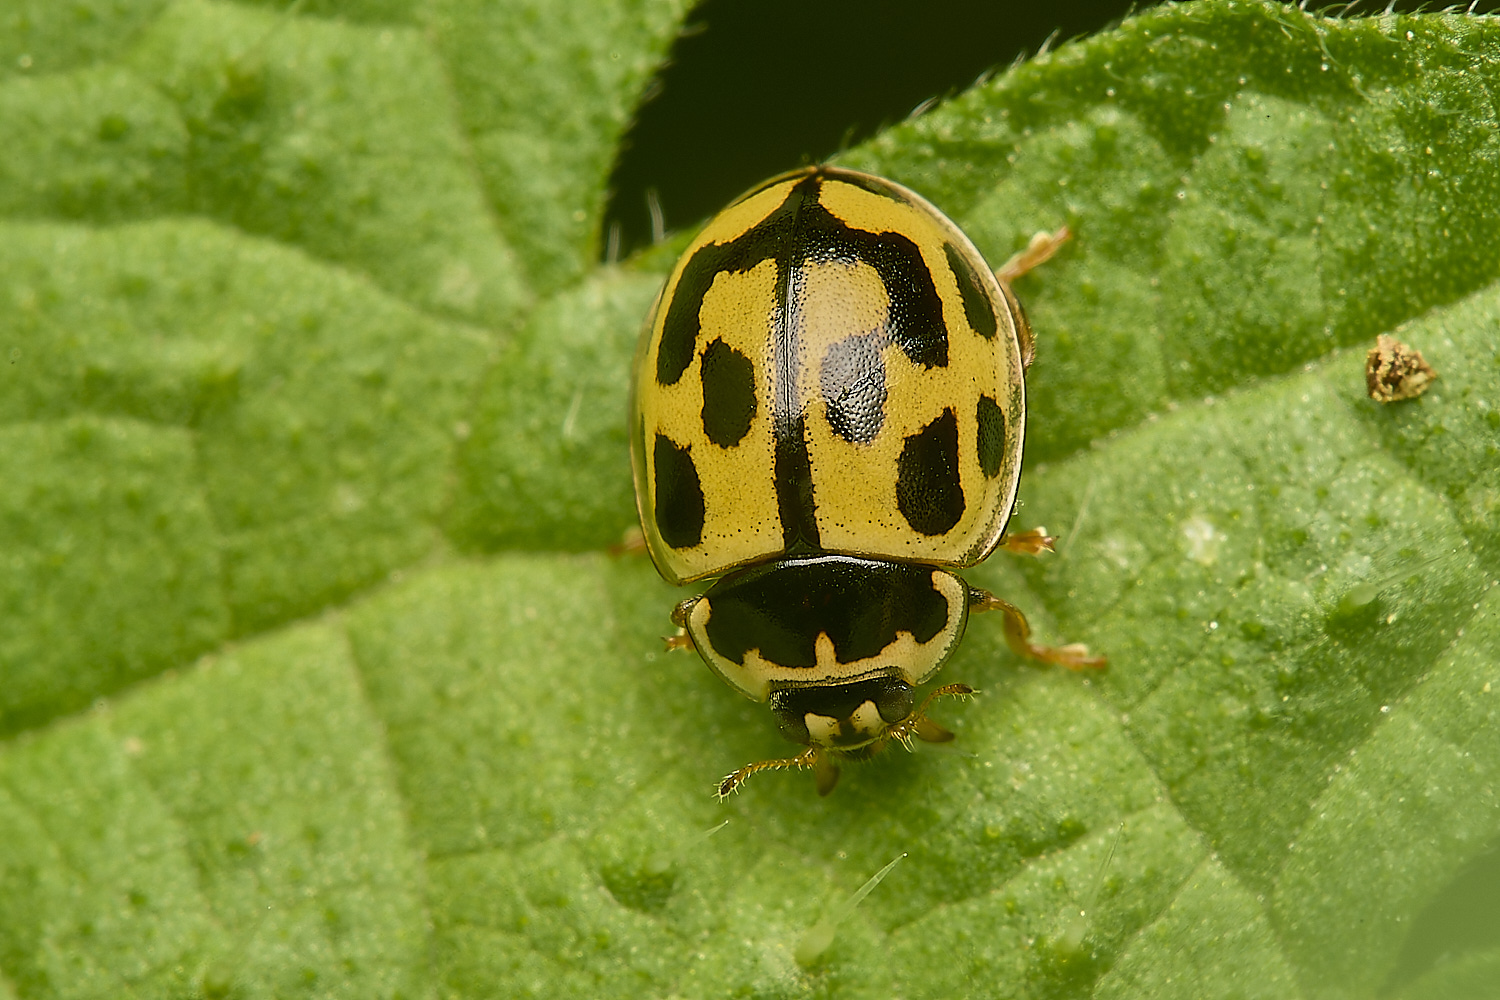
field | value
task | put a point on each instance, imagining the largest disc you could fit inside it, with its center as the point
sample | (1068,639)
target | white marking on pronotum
(816,939)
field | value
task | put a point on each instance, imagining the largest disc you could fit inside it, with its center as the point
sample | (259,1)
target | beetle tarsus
(1073,656)
(1029,543)
(680,641)
(633,543)
(1041,249)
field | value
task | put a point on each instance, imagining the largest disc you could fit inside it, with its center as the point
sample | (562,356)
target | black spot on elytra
(914,321)
(728,394)
(861,604)
(928,492)
(991,421)
(977,305)
(799,231)
(852,381)
(794,489)
(679,495)
(770,239)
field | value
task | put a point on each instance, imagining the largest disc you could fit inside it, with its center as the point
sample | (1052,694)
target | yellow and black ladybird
(828,415)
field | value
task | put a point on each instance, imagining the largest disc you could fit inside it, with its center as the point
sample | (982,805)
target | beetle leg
(1030,543)
(1040,250)
(824,769)
(679,641)
(825,772)
(1074,656)
(928,731)
(632,543)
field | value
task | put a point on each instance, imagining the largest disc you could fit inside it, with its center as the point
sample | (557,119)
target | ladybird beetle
(827,416)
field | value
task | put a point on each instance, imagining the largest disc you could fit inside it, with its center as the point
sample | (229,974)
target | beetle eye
(895,700)
(793,726)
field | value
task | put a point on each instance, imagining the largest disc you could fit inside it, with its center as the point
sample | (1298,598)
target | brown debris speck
(1393,371)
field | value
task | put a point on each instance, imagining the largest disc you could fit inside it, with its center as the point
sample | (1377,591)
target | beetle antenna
(919,725)
(812,757)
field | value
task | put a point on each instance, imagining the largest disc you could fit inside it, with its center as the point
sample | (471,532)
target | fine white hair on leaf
(816,939)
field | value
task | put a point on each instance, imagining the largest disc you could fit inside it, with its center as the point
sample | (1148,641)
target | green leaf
(315,675)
